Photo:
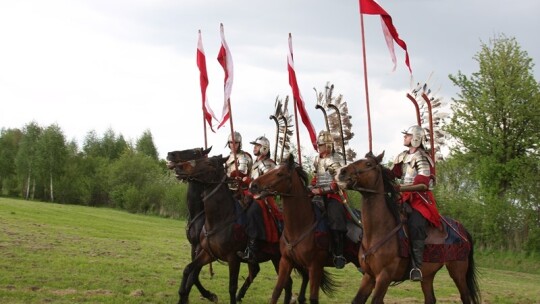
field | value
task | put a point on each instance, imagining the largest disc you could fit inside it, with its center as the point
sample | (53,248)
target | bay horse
(300,246)
(380,255)
(219,239)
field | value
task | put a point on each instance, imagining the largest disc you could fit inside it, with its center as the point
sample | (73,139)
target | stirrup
(416,275)
(339,261)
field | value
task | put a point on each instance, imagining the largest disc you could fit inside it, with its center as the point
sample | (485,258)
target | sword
(356,220)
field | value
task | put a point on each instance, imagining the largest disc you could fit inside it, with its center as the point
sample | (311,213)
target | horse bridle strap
(215,189)
(362,189)
(378,245)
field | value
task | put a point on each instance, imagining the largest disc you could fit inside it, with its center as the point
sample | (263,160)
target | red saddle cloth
(453,247)
(271,216)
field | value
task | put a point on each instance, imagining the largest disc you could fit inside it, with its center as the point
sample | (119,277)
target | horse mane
(291,164)
(391,194)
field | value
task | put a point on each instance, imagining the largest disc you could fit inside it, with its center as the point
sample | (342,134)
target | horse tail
(472,275)
(328,284)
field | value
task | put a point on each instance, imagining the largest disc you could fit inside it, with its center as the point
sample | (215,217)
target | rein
(378,245)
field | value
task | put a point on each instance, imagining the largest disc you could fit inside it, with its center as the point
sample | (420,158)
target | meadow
(53,253)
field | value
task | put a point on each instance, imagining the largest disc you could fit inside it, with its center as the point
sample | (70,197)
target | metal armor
(413,164)
(326,169)
(244,163)
(262,166)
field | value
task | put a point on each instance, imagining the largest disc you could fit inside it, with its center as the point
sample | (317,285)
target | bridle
(358,172)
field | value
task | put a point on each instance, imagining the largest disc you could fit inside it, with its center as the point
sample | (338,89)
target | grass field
(52,253)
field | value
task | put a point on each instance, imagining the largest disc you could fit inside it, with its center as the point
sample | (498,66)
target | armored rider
(260,213)
(415,169)
(237,171)
(326,165)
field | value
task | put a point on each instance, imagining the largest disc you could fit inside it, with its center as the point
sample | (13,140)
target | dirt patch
(137,293)
(98,292)
(64,292)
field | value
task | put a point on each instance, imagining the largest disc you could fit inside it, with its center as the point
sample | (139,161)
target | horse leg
(234,269)
(284,273)
(212,297)
(305,280)
(253,271)
(288,286)
(315,276)
(187,282)
(457,272)
(428,277)
(382,282)
(366,286)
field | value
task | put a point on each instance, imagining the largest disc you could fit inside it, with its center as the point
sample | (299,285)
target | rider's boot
(249,253)
(338,239)
(417,257)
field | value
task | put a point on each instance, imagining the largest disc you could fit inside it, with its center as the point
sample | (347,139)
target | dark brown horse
(379,254)
(300,246)
(195,207)
(219,239)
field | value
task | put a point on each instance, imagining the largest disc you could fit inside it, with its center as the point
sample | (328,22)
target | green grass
(52,253)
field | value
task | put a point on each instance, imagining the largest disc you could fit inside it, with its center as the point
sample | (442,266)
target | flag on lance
(370,7)
(201,63)
(298,100)
(225,59)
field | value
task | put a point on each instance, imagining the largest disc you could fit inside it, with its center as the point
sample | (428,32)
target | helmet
(237,139)
(418,135)
(265,144)
(325,138)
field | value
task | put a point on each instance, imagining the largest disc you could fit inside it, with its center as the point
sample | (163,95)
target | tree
(53,153)
(27,157)
(495,125)
(145,145)
(9,145)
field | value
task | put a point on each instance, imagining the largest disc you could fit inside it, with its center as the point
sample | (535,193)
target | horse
(195,208)
(219,239)
(300,244)
(379,254)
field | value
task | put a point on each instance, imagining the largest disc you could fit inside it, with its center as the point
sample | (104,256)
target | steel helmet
(237,139)
(265,144)
(325,138)
(418,135)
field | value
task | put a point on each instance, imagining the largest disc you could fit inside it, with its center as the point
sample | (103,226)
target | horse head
(207,170)
(176,157)
(278,181)
(362,175)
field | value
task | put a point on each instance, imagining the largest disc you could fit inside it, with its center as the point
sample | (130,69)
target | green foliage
(496,156)
(145,145)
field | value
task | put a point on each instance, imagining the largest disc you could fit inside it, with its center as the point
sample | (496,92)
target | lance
(365,76)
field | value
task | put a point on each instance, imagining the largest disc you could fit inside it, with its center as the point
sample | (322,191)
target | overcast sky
(131,65)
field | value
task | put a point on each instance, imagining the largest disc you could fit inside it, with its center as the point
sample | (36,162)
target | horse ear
(205,152)
(380,157)
(290,161)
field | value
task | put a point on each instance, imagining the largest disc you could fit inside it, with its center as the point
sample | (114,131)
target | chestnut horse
(379,254)
(299,244)
(219,239)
